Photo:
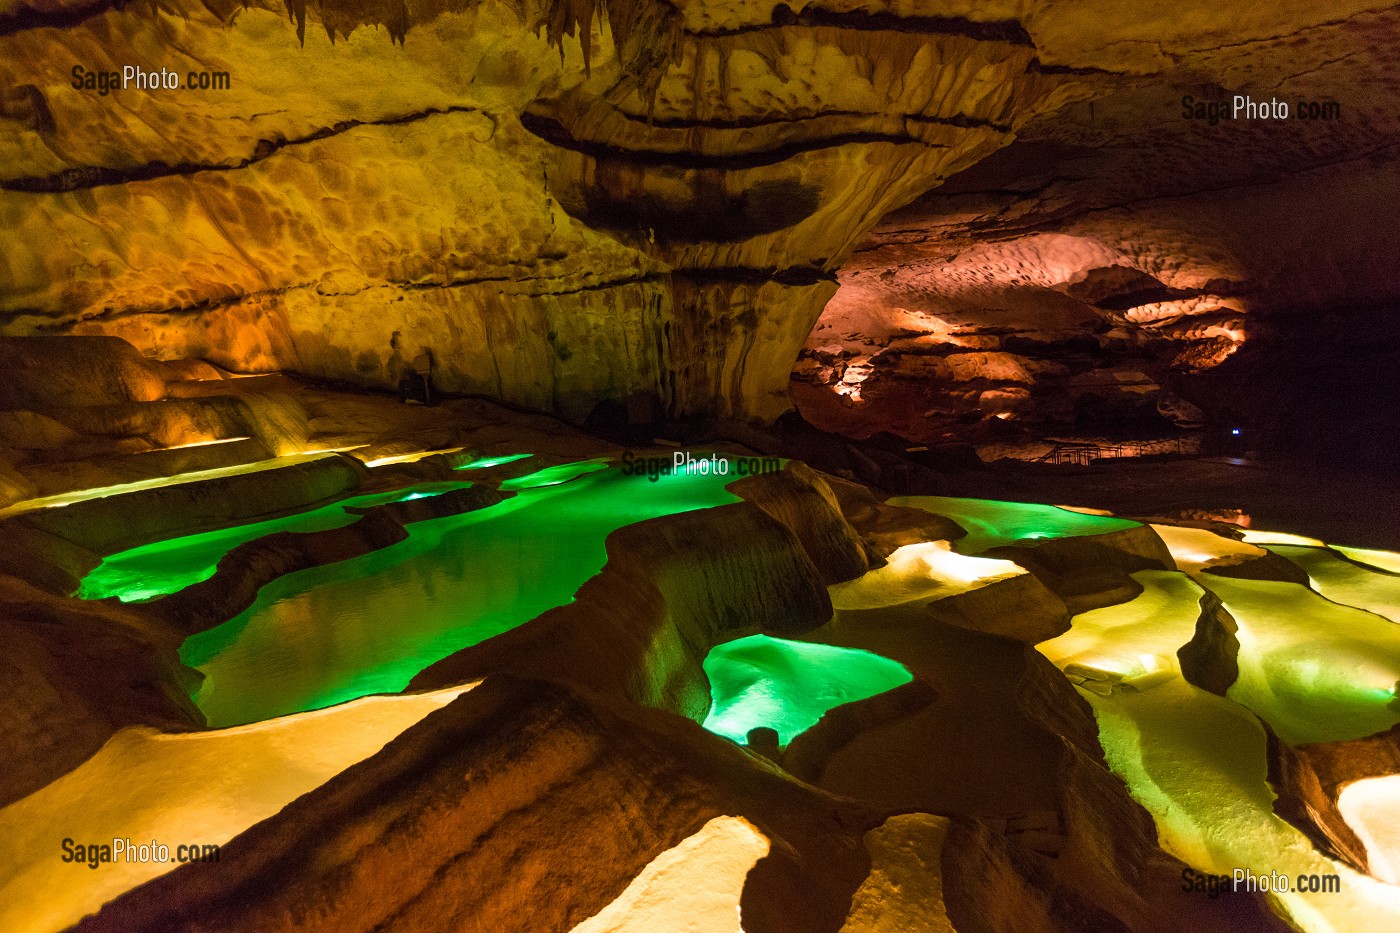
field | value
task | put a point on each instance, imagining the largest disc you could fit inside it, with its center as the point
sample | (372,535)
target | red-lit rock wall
(1121,266)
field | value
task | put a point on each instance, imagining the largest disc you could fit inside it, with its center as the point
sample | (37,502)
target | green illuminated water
(553,476)
(1314,670)
(368,625)
(992,524)
(1389,561)
(166,567)
(485,462)
(789,685)
(1345,582)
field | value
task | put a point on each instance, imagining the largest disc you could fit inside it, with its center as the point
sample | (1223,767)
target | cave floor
(1003,683)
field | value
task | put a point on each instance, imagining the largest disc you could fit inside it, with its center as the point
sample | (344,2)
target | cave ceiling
(651,204)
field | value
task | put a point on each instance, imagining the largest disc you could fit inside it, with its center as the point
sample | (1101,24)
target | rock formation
(857,249)
(582,723)
(1309,779)
(1210,660)
(1121,260)
(799,498)
(428,812)
(622,786)
(667,595)
(57,702)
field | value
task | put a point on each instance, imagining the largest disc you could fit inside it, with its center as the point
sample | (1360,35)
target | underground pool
(368,625)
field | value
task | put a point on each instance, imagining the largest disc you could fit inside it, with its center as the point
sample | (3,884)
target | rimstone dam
(699,466)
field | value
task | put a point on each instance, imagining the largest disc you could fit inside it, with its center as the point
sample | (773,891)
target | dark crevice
(1039,67)
(1147,296)
(217,304)
(572,290)
(1294,36)
(196,309)
(1008,31)
(1063,217)
(26,17)
(961,120)
(553,132)
(74,179)
(797,276)
(8,318)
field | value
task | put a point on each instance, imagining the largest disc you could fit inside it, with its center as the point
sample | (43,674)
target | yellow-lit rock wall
(560,222)
(347,204)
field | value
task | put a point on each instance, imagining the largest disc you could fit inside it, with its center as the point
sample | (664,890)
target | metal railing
(1084,454)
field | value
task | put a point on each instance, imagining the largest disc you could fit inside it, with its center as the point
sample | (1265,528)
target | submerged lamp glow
(413,457)
(59,500)
(1259,536)
(695,886)
(1196,761)
(1346,581)
(1389,561)
(992,524)
(557,475)
(917,573)
(178,788)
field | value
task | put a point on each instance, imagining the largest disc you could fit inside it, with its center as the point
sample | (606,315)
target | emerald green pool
(992,524)
(553,476)
(368,625)
(166,567)
(789,685)
(1362,585)
(483,463)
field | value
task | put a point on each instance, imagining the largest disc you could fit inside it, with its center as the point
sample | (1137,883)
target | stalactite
(645,33)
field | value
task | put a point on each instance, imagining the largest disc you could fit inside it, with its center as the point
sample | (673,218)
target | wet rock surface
(665,194)
(663,200)
(1310,778)
(641,628)
(804,502)
(466,812)
(75,674)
